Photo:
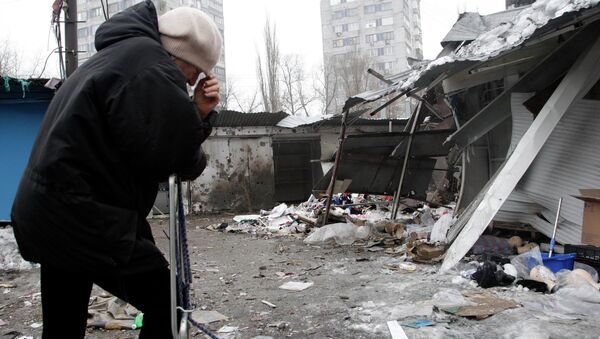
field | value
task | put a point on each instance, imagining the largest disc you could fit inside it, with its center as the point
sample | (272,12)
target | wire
(46,62)
(104,9)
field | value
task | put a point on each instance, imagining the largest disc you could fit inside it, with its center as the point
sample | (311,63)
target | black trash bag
(488,275)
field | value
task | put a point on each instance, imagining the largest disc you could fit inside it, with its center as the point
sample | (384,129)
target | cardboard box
(590,229)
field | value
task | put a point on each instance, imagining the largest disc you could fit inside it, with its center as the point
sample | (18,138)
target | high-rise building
(90,15)
(518,3)
(385,34)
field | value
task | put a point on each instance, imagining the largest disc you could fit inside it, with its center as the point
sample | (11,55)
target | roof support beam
(579,80)
(544,73)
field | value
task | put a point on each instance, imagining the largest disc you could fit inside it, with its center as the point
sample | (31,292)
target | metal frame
(180,330)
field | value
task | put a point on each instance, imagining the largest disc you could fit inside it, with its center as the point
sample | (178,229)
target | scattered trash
(526,261)
(35,325)
(426,253)
(485,306)
(448,297)
(268,303)
(544,275)
(207,317)
(227,329)
(440,229)
(490,275)
(340,233)
(405,266)
(419,323)
(489,244)
(7,285)
(296,286)
(3,323)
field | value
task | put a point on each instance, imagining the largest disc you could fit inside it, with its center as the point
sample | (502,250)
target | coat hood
(136,21)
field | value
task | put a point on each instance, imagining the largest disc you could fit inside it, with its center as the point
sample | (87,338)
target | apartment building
(385,33)
(90,15)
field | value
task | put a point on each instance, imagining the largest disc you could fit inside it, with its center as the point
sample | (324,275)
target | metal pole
(406,154)
(338,156)
(71,37)
(173,252)
(553,241)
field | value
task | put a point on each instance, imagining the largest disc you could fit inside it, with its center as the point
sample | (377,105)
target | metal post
(553,240)
(406,154)
(173,252)
(338,156)
(71,37)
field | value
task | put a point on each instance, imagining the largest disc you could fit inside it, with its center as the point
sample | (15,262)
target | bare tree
(326,87)
(352,73)
(227,95)
(268,75)
(9,60)
(295,97)
(246,105)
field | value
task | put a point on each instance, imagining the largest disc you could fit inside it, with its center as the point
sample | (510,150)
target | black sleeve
(155,126)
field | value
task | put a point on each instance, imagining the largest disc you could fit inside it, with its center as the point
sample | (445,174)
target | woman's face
(190,71)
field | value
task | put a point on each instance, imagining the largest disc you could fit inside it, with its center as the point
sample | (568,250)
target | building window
(344,13)
(93,29)
(219,20)
(94,12)
(83,48)
(386,67)
(114,8)
(82,32)
(337,2)
(379,22)
(386,6)
(383,36)
(345,42)
(381,51)
(81,16)
(346,27)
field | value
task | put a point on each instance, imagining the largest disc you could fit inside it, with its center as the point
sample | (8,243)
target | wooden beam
(581,77)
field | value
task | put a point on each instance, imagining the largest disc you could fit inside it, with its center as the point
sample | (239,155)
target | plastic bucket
(559,261)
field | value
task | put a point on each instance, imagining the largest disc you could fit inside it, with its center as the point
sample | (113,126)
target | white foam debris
(10,259)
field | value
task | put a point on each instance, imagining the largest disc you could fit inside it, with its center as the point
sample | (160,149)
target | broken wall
(239,171)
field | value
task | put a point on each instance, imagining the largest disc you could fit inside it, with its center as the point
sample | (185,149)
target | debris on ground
(207,317)
(296,285)
(111,313)
(10,259)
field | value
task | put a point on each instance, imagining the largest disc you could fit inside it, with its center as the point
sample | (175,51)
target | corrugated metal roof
(568,161)
(470,25)
(239,119)
(531,22)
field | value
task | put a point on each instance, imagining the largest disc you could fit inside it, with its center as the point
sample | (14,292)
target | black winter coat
(117,127)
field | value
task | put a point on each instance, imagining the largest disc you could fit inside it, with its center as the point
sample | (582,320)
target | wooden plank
(578,81)
(396,330)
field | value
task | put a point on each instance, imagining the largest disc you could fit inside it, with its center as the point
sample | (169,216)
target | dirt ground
(353,295)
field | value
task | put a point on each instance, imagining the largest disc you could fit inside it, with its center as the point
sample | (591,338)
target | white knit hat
(192,36)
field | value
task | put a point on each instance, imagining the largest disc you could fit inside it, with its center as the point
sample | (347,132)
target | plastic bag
(572,284)
(526,261)
(340,233)
(440,228)
(592,271)
(449,297)
(426,217)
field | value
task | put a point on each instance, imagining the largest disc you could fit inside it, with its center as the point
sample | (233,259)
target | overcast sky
(26,24)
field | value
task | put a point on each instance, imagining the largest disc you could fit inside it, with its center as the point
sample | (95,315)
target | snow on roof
(514,32)
(505,36)
(471,25)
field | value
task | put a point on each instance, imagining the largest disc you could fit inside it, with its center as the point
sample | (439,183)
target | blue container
(559,261)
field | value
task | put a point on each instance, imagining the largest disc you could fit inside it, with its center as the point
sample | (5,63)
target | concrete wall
(240,173)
